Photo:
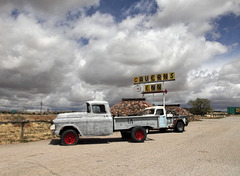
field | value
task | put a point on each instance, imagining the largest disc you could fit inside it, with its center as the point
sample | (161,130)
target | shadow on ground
(94,140)
(89,141)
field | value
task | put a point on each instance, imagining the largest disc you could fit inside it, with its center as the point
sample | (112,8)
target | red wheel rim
(70,138)
(139,134)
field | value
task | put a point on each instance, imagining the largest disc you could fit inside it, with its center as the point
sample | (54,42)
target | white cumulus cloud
(55,52)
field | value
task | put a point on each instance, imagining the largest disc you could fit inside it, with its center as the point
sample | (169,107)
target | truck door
(100,123)
(162,118)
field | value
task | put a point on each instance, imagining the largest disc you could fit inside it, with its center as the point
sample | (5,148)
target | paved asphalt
(208,147)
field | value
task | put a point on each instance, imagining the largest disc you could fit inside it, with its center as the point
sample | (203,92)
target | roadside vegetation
(200,106)
(33,131)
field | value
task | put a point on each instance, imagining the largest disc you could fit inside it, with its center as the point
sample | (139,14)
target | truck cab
(166,120)
(96,121)
(99,119)
(98,107)
(154,110)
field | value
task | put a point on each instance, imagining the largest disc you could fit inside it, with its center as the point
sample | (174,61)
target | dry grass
(198,117)
(30,117)
(33,131)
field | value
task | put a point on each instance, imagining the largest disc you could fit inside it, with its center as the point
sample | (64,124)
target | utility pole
(24,108)
(41,107)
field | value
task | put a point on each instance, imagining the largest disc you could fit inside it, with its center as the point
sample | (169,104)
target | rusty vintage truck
(98,121)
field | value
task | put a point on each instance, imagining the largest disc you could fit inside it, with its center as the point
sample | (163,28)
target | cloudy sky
(66,52)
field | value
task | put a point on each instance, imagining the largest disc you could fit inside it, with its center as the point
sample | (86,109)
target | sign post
(152,83)
(164,96)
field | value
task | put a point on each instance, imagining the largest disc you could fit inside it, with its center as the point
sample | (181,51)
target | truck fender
(179,127)
(175,121)
(186,122)
(69,126)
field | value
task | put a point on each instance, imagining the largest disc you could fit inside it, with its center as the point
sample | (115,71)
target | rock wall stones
(129,107)
(178,111)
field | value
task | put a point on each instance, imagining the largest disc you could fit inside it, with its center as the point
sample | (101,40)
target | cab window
(148,111)
(98,109)
(159,112)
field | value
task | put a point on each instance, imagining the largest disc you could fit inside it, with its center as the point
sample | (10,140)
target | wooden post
(22,130)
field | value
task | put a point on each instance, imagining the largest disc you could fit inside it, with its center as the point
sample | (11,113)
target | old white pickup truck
(98,121)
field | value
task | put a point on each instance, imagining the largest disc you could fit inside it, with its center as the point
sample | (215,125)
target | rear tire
(138,134)
(179,127)
(69,137)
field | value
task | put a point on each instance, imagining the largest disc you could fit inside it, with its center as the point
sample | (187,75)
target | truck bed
(124,123)
(170,120)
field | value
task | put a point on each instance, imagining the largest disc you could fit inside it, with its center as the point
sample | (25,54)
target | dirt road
(208,147)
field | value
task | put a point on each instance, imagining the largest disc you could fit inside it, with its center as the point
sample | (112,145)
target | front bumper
(54,130)
(53,127)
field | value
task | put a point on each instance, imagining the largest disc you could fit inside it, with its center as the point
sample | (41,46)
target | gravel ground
(208,147)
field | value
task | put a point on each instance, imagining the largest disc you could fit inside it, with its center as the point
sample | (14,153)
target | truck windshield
(148,111)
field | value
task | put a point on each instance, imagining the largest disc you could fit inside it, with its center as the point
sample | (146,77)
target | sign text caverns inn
(154,79)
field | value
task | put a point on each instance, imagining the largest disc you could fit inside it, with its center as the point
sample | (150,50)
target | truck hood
(71,115)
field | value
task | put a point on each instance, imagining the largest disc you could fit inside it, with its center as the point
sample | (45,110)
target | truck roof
(97,102)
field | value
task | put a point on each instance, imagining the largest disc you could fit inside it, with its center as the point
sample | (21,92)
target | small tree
(200,106)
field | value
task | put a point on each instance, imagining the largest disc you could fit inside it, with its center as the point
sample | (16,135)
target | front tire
(69,137)
(138,134)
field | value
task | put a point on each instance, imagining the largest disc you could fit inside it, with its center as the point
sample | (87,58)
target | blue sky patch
(15,13)
(228,29)
(121,9)
(83,41)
